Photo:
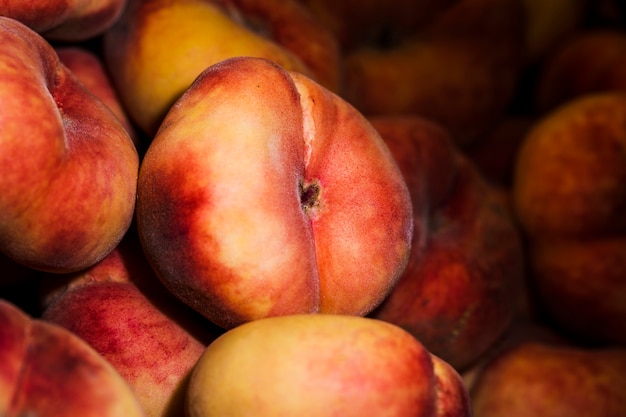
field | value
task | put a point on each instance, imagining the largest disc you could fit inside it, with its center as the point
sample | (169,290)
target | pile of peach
(313,208)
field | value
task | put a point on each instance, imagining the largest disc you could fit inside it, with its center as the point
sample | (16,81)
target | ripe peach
(121,309)
(68,168)
(459,292)
(593,61)
(552,380)
(320,366)
(461,69)
(265,194)
(63,20)
(569,195)
(158,47)
(47,371)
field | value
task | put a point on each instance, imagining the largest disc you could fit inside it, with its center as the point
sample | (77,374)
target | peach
(522,330)
(63,20)
(552,380)
(47,371)
(593,61)
(68,167)
(460,70)
(323,365)
(121,309)
(569,195)
(265,194)
(459,292)
(158,47)
(580,285)
(354,22)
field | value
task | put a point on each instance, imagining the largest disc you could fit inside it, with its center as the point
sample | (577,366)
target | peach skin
(89,69)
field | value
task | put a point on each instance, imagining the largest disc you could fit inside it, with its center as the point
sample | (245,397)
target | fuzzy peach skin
(265,194)
(68,167)
(552,380)
(121,309)
(158,47)
(461,69)
(458,293)
(323,366)
(89,69)
(569,194)
(47,371)
(64,20)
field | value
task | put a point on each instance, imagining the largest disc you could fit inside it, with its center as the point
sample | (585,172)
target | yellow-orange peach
(322,366)
(158,47)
